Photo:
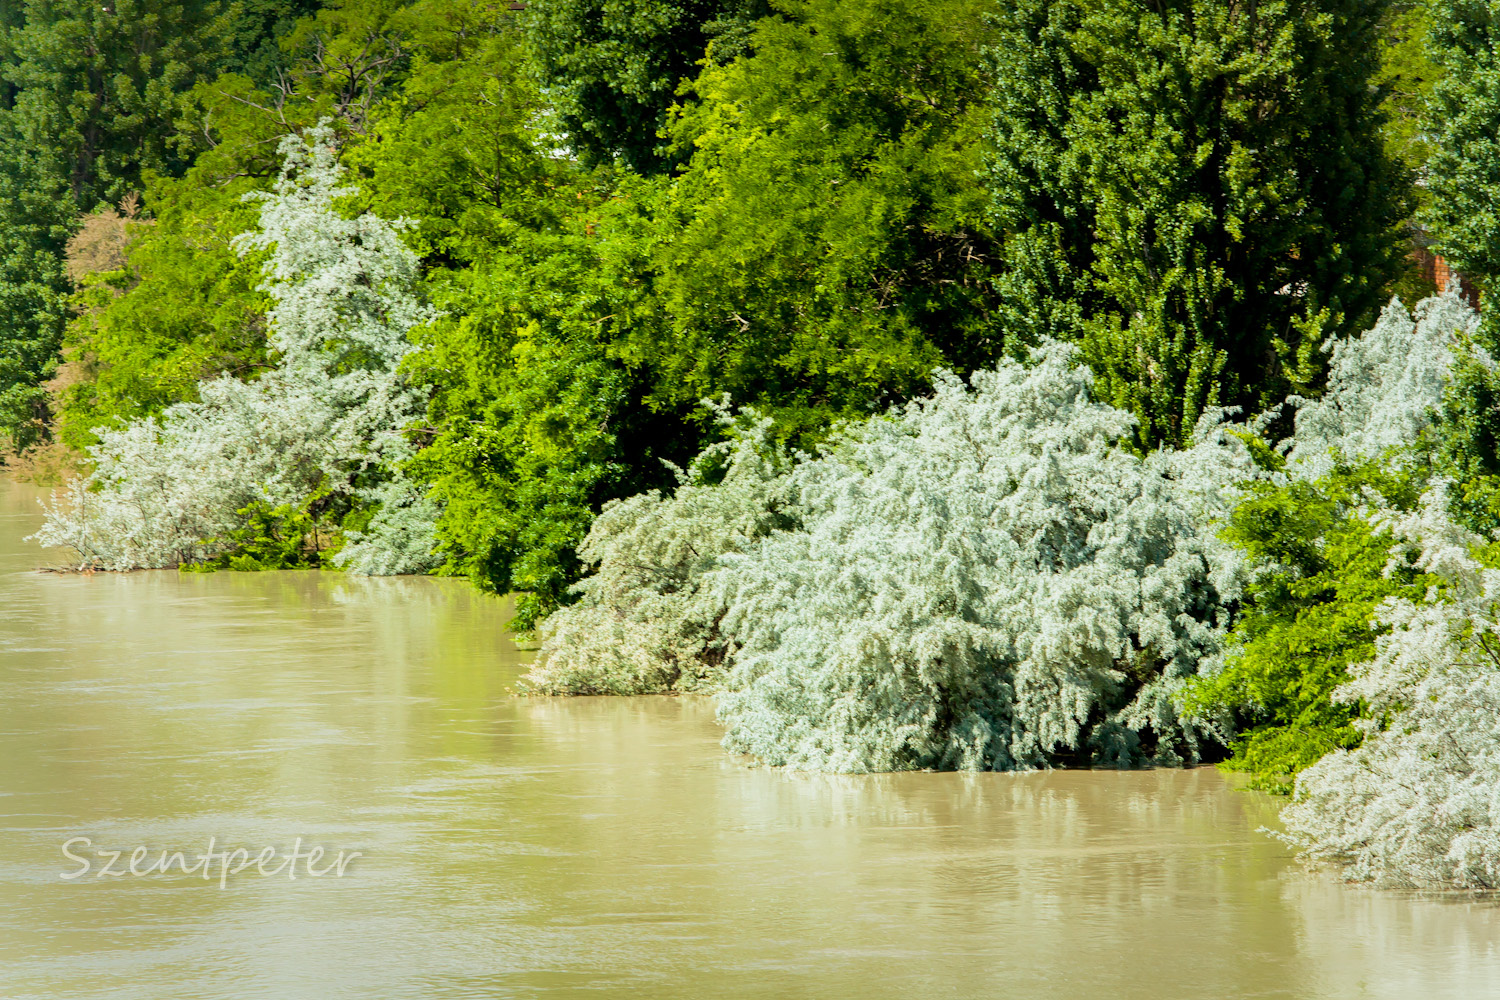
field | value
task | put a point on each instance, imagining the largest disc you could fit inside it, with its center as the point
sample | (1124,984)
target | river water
(514,847)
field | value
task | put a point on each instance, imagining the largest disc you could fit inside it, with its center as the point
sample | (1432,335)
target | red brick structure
(1436,270)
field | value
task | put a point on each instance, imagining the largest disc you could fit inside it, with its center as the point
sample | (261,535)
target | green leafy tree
(1464,171)
(456,146)
(251,33)
(822,250)
(826,247)
(33,294)
(88,106)
(1196,191)
(533,425)
(1407,77)
(1307,616)
(614,66)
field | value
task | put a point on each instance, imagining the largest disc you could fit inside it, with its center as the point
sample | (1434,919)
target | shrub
(983,579)
(1417,804)
(645,622)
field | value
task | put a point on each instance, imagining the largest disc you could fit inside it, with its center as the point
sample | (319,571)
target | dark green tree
(613,67)
(1408,74)
(251,33)
(1197,191)
(532,425)
(822,249)
(1464,119)
(91,94)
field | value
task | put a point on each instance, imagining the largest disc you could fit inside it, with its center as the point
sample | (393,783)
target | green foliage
(1307,616)
(275,537)
(531,424)
(1196,191)
(251,31)
(98,87)
(1408,75)
(1464,442)
(88,103)
(534,426)
(825,247)
(456,146)
(614,67)
(184,309)
(33,301)
(1464,170)
(822,250)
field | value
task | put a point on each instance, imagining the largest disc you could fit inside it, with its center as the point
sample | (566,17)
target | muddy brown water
(514,847)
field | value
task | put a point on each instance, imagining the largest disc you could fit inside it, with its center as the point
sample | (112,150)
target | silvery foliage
(1383,386)
(167,490)
(1417,804)
(982,579)
(644,622)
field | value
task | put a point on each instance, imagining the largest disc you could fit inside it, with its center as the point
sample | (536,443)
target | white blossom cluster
(644,622)
(167,490)
(1417,804)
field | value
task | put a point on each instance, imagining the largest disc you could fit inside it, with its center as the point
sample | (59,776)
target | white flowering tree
(328,416)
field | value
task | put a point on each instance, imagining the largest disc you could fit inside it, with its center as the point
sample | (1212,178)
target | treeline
(942,383)
(621,211)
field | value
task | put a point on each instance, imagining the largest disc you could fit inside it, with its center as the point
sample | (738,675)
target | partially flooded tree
(327,419)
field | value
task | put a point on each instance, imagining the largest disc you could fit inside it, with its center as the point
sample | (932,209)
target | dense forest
(957,384)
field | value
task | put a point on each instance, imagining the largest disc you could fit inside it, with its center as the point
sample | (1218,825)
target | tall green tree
(821,250)
(826,246)
(251,33)
(91,95)
(1197,191)
(1464,171)
(532,424)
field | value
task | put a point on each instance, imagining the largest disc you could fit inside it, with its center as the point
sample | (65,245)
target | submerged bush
(1417,804)
(644,622)
(325,421)
(983,580)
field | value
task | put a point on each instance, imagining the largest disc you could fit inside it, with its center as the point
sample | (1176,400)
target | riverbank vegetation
(978,384)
